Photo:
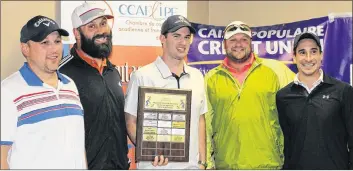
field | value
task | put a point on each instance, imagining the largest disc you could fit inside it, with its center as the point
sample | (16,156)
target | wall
(15,13)
(260,13)
(198,11)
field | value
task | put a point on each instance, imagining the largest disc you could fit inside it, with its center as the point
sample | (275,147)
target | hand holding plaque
(163,124)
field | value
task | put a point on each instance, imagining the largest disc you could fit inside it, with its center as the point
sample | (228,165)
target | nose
(237,43)
(183,41)
(102,29)
(56,47)
(308,56)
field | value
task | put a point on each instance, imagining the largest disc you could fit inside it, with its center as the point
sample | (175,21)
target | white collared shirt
(315,84)
(157,74)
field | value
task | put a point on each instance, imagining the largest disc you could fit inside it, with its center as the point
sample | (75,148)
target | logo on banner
(156,11)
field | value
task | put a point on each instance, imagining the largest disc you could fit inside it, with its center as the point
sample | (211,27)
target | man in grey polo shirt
(170,71)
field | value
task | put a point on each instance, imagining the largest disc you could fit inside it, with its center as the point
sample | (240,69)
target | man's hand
(160,161)
(202,167)
(4,151)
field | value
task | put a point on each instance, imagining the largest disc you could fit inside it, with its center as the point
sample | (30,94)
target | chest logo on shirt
(325,96)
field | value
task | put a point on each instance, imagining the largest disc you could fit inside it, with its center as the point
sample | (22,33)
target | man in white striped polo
(42,123)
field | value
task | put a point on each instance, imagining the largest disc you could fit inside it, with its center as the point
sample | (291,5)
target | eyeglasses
(235,27)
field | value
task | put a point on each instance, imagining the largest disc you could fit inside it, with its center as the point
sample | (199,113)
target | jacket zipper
(240,89)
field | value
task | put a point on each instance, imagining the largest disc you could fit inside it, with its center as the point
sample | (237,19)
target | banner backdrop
(276,42)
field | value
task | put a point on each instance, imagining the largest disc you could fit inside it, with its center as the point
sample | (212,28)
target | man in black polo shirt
(315,113)
(100,90)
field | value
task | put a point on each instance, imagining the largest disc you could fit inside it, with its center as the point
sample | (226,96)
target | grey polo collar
(164,70)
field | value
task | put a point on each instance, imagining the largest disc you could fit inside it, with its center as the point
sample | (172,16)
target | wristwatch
(203,163)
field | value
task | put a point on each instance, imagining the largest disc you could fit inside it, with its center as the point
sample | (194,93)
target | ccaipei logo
(42,20)
(154,10)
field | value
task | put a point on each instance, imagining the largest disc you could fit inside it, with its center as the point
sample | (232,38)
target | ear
(294,58)
(191,38)
(76,34)
(223,47)
(322,56)
(25,49)
(162,38)
(225,44)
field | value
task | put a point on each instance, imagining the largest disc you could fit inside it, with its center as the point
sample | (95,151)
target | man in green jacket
(243,131)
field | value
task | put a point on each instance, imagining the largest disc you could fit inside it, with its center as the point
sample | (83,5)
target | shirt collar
(90,60)
(317,82)
(164,69)
(33,80)
(243,66)
(74,52)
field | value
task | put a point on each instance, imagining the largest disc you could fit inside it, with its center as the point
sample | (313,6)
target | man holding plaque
(170,71)
(242,118)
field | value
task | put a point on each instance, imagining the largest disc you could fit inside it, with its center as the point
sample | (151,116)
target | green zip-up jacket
(242,126)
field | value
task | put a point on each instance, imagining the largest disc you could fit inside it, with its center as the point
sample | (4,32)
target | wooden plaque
(163,124)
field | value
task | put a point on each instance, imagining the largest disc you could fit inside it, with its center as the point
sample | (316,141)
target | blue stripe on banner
(6,142)
(49,113)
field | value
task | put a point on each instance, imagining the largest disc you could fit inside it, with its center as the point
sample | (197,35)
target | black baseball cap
(306,35)
(38,28)
(174,23)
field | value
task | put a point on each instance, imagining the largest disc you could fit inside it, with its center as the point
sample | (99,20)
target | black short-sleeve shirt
(102,98)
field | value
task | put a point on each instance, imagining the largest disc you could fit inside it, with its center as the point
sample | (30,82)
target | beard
(99,51)
(232,57)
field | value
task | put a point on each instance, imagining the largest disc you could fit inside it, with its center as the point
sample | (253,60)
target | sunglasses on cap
(242,27)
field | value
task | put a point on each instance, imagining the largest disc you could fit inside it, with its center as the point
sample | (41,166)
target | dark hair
(165,34)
